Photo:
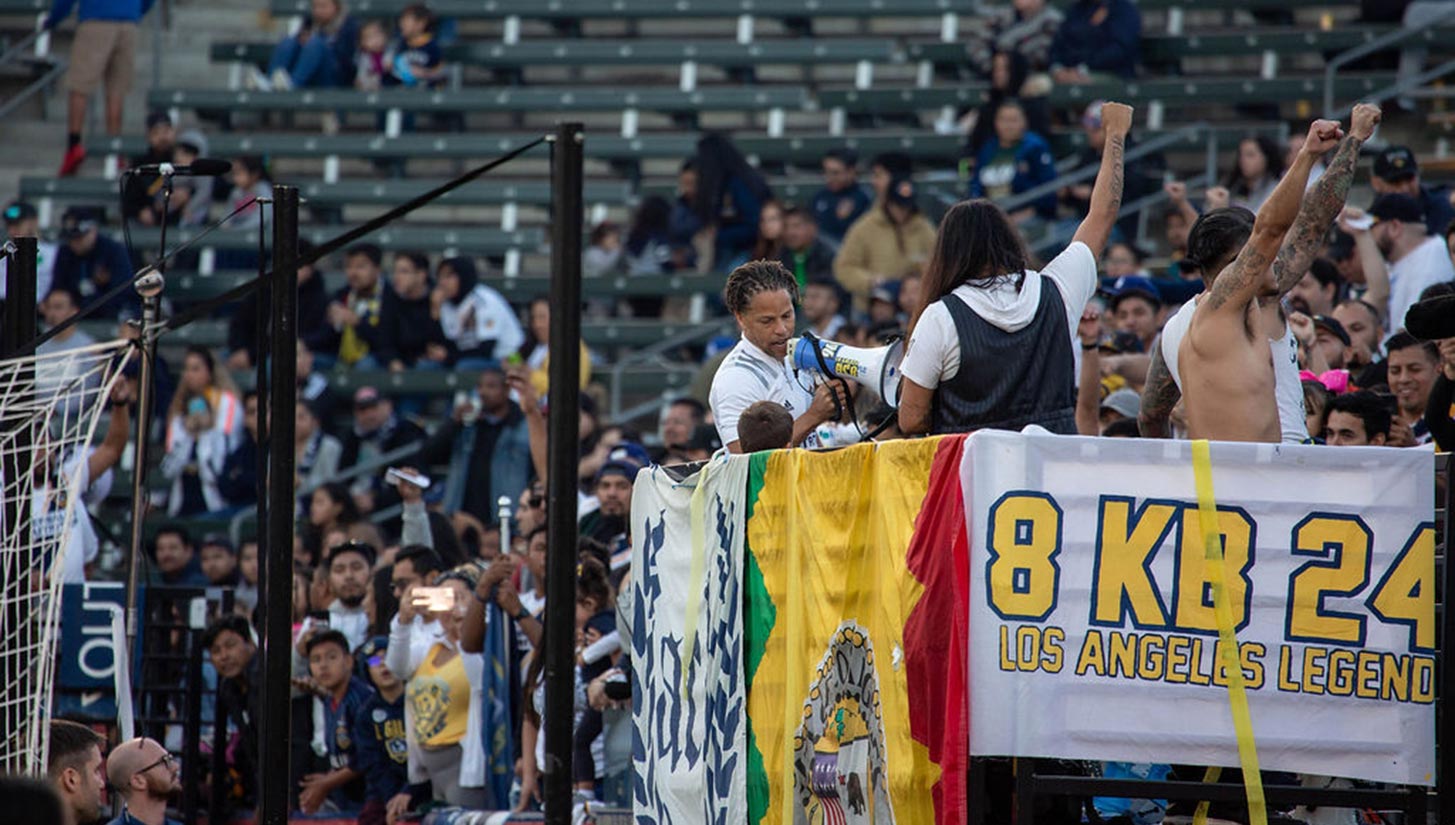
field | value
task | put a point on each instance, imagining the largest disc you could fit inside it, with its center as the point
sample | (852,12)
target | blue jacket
(837,211)
(381,748)
(1033,166)
(1112,46)
(122,11)
(106,266)
(509,464)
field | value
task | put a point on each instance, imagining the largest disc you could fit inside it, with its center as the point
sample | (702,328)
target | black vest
(1008,380)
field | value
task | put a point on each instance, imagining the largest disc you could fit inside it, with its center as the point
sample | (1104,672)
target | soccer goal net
(50,405)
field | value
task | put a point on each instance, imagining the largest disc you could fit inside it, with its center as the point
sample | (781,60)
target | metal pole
(18,325)
(149,287)
(563,454)
(277,546)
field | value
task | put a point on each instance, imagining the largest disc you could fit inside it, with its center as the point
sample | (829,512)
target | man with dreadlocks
(761,295)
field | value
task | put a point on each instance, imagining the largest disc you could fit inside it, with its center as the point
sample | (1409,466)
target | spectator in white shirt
(1400,259)
(477,319)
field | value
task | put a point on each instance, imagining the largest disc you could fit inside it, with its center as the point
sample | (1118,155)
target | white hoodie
(933,355)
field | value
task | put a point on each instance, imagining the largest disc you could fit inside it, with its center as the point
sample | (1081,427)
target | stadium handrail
(1430,32)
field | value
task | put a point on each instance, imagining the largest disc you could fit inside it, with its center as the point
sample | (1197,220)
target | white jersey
(1287,386)
(48,514)
(749,375)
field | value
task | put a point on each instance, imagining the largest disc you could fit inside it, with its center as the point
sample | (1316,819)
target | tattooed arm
(1243,280)
(1106,194)
(1323,202)
(1159,396)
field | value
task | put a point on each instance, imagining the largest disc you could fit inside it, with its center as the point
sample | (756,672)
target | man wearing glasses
(147,777)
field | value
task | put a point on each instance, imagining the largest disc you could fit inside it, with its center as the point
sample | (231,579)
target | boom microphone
(1432,318)
(199,168)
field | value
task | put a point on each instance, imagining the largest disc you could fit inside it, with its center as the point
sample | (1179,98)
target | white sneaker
(282,81)
(258,81)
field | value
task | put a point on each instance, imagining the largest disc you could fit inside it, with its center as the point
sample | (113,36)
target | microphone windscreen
(210,167)
(1432,318)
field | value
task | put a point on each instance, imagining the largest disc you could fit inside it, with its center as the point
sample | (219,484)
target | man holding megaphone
(761,296)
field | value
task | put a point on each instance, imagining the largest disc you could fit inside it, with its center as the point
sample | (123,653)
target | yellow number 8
(1024,538)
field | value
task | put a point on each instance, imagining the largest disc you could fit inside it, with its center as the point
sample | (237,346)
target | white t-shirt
(48,514)
(484,315)
(749,375)
(1425,265)
(1287,386)
(933,355)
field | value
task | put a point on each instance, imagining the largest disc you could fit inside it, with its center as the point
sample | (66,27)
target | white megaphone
(877,368)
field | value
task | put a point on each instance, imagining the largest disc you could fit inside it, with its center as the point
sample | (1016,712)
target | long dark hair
(654,215)
(718,163)
(977,245)
(1273,160)
(466,272)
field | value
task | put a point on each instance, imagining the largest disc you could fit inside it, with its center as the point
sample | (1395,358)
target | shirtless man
(1233,385)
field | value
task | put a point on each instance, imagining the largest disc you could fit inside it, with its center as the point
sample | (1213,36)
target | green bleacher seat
(797,149)
(458,240)
(24,6)
(1172,92)
(484,192)
(802,51)
(528,99)
(646,9)
(187,286)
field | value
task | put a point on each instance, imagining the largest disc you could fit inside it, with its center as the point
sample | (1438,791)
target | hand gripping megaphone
(876,368)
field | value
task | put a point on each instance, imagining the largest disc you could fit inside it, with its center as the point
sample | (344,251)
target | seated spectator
(1317,291)
(1357,419)
(141,200)
(330,508)
(650,244)
(683,223)
(1396,172)
(1123,260)
(316,335)
(1098,40)
(1024,28)
(146,777)
(238,481)
(842,200)
(89,263)
(442,698)
(418,60)
(373,62)
(487,445)
(175,558)
(245,595)
(324,773)
(1007,77)
(316,453)
(381,749)
(22,220)
(821,305)
(1258,170)
(354,315)
(603,253)
(204,426)
(769,245)
(884,169)
(313,384)
(730,195)
(680,419)
(609,522)
(765,425)
(477,320)
(538,349)
(250,181)
(804,253)
(219,561)
(1413,365)
(192,195)
(1016,161)
(1136,305)
(884,305)
(409,337)
(375,432)
(890,241)
(911,294)
(320,55)
(62,378)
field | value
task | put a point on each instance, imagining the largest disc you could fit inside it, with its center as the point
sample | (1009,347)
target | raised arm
(1371,261)
(1106,194)
(1241,282)
(1323,202)
(1159,397)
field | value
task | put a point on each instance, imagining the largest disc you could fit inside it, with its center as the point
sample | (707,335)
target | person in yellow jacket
(890,241)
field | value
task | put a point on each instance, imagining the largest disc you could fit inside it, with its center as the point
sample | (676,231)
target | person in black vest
(990,347)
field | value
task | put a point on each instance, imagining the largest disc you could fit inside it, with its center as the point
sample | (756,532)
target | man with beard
(349,578)
(74,769)
(608,523)
(1400,258)
(147,777)
(229,641)
(1361,320)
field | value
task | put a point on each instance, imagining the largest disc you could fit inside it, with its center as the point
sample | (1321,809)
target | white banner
(1092,630)
(688,694)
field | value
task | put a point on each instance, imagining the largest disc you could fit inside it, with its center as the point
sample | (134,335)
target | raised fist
(1366,116)
(1176,191)
(1116,118)
(1323,135)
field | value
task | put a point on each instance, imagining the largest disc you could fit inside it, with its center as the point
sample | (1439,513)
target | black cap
(219,540)
(19,211)
(902,192)
(158,118)
(1397,207)
(1333,326)
(363,548)
(78,220)
(1395,164)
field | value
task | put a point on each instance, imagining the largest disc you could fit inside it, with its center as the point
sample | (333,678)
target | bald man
(146,776)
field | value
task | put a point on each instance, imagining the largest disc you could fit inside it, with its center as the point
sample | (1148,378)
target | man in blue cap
(608,523)
(1136,305)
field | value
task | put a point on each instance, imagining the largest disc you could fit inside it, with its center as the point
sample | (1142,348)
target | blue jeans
(310,64)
